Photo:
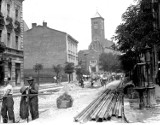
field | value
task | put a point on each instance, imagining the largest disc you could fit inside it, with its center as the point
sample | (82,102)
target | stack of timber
(109,104)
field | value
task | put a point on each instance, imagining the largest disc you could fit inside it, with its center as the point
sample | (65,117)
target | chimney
(45,24)
(34,25)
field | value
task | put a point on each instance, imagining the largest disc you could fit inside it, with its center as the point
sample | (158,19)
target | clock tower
(97,28)
(99,44)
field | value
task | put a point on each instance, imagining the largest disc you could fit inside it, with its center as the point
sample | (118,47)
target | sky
(74,16)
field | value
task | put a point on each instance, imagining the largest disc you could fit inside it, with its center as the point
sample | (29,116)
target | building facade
(48,47)
(97,46)
(11,34)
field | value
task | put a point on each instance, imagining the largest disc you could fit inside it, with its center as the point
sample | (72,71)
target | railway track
(106,106)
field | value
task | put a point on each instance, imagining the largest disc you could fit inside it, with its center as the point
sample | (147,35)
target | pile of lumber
(109,104)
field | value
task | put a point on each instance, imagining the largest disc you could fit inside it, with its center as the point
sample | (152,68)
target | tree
(79,73)
(37,67)
(69,69)
(135,32)
(81,70)
(109,62)
(57,70)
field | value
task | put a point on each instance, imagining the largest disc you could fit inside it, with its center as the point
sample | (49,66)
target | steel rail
(105,106)
(86,116)
(100,115)
(90,106)
(99,107)
(110,109)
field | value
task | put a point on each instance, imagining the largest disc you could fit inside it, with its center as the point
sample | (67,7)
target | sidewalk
(146,115)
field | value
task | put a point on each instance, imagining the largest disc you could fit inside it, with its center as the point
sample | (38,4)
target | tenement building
(47,46)
(11,35)
(98,45)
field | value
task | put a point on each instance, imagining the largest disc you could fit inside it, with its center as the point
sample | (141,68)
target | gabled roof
(97,15)
(25,26)
(107,43)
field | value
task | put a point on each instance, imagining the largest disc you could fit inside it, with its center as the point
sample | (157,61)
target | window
(10,69)
(8,9)
(16,39)
(8,39)
(16,14)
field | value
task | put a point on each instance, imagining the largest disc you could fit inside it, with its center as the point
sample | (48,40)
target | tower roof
(97,15)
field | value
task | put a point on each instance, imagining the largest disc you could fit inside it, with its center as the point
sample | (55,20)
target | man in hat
(24,110)
(7,110)
(33,99)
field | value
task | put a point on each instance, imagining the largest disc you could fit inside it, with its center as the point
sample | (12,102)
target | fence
(45,79)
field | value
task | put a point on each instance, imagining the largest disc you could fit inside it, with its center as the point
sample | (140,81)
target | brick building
(11,35)
(48,47)
(98,45)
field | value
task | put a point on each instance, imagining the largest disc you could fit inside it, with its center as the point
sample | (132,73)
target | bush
(64,101)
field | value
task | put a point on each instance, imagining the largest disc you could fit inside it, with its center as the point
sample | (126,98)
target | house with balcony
(11,35)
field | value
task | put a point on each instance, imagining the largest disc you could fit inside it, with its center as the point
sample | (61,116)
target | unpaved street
(49,113)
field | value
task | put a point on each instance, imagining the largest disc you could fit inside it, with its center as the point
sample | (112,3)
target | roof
(25,27)
(97,15)
(83,51)
(107,43)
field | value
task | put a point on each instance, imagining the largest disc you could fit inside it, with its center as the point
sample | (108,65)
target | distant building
(25,27)
(11,34)
(97,46)
(48,47)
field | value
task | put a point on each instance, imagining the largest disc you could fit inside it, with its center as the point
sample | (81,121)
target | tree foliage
(37,67)
(69,68)
(57,70)
(81,70)
(109,62)
(135,32)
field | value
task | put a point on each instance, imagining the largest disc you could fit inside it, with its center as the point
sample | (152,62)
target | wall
(44,45)
(14,54)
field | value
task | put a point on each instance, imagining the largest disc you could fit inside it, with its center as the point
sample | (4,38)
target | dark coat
(24,111)
(33,101)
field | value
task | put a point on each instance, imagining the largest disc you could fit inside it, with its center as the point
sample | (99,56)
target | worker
(7,110)
(33,99)
(24,103)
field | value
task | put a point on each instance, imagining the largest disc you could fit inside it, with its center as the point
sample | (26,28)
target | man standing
(24,110)
(7,110)
(33,99)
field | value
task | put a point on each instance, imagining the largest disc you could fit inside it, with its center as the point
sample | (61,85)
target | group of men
(29,101)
